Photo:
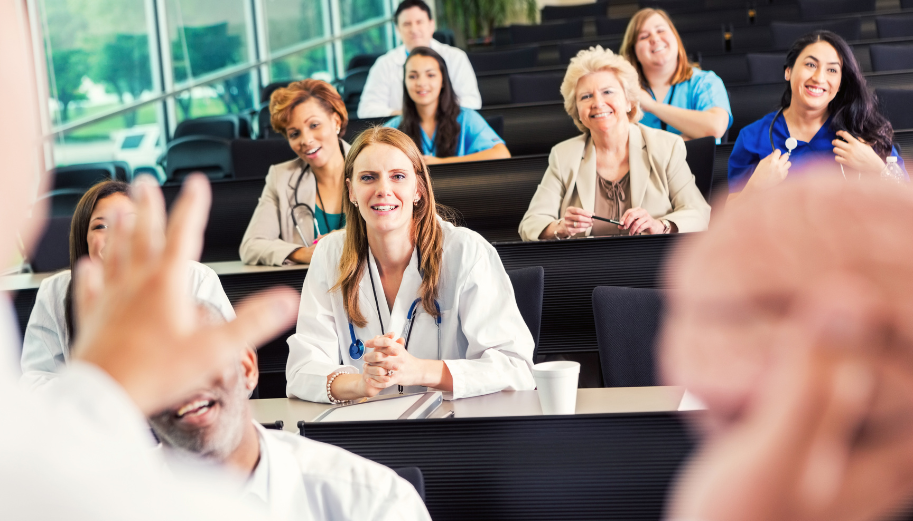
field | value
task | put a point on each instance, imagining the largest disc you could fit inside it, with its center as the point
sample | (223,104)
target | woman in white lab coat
(402,299)
(51,326)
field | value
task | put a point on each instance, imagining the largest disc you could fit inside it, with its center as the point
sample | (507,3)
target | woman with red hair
(302,199)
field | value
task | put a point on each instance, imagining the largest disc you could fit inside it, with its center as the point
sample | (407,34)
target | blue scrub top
(703,91)
(753,145)
(475,134)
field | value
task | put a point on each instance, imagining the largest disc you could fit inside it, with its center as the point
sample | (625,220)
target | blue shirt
(753,145)
(475,134)
(703,91)
(334,220)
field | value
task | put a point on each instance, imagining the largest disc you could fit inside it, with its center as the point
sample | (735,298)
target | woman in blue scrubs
(674,96)
(433,118)
(827,110)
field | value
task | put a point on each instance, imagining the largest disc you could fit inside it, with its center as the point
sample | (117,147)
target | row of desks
(500,458)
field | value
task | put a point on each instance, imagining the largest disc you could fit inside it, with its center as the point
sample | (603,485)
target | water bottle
(892,171)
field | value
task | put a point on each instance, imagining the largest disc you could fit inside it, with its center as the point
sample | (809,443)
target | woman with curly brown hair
(302,199)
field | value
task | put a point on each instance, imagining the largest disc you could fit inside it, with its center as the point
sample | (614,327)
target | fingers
(188,221)
(376,374)
(578,219)
(149,228)
(382,342)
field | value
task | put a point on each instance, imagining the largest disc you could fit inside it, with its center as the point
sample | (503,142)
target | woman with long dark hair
(52,326)
(828,122)
(433,118)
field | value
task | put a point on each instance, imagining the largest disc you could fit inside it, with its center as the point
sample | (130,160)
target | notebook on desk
(414,406)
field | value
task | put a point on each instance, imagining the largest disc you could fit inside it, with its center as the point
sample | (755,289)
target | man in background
(383,92)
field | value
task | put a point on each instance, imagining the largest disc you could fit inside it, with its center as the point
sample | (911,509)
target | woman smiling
(617,169)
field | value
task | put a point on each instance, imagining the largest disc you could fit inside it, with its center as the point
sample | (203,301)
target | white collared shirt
(45,349)
(484,340)
(300,478)
(383,91)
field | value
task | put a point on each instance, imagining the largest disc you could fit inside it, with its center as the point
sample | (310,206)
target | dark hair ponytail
(79,231)
(854,109)
(448,110)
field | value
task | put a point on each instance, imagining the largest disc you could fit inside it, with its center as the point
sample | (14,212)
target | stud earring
(355,203)
(337,131)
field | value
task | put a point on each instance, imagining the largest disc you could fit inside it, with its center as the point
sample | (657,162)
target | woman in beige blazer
(302,199)
(630,173)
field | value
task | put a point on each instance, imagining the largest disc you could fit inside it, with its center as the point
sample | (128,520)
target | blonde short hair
(597,59)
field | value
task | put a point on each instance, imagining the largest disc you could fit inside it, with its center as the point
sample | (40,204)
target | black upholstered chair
(891,57)
(363,60)
(783,34)
(551,13)
(227,126)
(62,201)
(701,157)
(414,476)
(497,124)
(528,34)
(268,91)
(815,9)
(53,250)
(529,286)
(252,158)
(445,36)
(895,105)
(766,68)
(895,26)
(82,176)
(209,155)
(352,86)
(627,323)
(536,87)
(567,50)
(611,27)
(522,58)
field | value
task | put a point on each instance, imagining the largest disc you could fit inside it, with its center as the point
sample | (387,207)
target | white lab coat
(45,349)
(298,478)
(485,342)
(80,450)
(383,91)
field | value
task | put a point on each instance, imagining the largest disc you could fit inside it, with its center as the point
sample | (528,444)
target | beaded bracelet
(330,384)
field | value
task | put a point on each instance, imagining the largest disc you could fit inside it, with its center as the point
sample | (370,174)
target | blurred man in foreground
(291,476)
(791,320)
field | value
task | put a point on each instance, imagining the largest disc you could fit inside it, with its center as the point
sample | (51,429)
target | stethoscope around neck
(357,347)
(791,142)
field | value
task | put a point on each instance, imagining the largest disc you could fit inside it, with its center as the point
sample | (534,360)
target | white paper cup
(557,386)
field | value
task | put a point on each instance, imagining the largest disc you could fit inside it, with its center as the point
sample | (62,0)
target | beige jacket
(661,182)
(271,235)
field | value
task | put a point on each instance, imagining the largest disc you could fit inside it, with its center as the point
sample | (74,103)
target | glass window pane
(308,64)
(97,55)
(207,36)
(234,95)
(371,41)
(357,11)
(132,137)
(290,22)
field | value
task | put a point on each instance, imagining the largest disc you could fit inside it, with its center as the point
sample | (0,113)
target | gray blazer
(271,235)
(661,182)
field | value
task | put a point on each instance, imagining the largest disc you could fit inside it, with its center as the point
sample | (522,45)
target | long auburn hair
(854,109)
(629,41)
(448,109)
(79,244)
(427,234)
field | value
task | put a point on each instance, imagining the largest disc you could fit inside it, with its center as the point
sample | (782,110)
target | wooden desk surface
(505,403)
(22,281)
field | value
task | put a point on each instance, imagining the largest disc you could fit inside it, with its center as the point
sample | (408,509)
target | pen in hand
(613,221)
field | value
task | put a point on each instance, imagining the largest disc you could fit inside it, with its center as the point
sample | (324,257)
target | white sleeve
(500,350)
(375,99)
(464,82)
(314,348)
(43,347)
(208,288)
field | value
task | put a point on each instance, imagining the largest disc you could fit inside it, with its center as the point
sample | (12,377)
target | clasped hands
(389,363)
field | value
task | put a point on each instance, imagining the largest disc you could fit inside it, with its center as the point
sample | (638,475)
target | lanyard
(662,123)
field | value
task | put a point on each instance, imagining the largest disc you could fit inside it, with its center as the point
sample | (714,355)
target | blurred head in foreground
(791,320)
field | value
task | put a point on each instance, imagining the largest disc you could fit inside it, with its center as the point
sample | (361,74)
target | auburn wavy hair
(427,234)
(684,70)
(283,101)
